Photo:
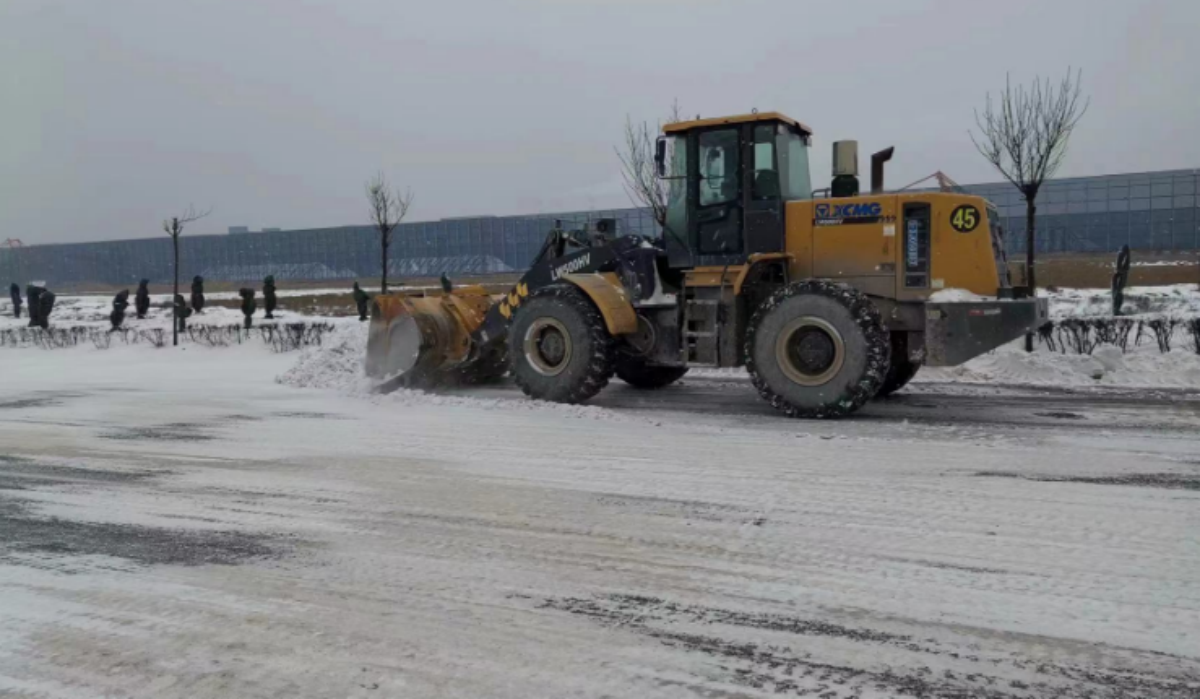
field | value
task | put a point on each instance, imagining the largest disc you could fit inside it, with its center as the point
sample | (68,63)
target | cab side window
(766,174)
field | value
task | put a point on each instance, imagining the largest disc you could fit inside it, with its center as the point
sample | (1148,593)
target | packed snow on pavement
(216,522)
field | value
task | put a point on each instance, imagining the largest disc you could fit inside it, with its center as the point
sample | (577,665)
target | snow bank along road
(204,532)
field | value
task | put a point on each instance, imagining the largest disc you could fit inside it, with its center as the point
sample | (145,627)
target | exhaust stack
(877,161)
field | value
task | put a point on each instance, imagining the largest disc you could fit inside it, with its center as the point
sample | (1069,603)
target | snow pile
(337,364)
(416,398)
(1164,263)
(955,296)
(1175,301)
(1143,366)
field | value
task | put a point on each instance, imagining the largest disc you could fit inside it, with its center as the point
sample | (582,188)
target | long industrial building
(1149,211)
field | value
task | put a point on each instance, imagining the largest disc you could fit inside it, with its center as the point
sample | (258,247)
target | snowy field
(232,522)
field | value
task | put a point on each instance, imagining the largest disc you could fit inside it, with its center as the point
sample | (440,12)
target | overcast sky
(116,113)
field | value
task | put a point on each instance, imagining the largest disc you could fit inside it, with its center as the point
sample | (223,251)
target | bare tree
(388,208)
(174,227)
(1025,137)
(638,167)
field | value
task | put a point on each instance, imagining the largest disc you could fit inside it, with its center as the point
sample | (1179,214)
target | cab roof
(737,119)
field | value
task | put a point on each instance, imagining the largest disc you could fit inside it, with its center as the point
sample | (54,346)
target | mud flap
(962,330)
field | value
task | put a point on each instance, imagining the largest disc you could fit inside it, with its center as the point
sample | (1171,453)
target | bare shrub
(155,336)
(1046,334)
(1163,329)
(1113,331)
(1193,329)
(1077,335)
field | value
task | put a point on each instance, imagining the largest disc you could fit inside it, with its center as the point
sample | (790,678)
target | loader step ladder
(701,325)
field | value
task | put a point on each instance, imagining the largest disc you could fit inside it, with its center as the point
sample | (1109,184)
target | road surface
(176,524)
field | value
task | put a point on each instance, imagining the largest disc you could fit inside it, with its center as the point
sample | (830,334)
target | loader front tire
(559,347)
(817,349)
(637,373)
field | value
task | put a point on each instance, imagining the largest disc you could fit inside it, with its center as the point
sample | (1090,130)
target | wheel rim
(810,351)
(548,346)
(644,338)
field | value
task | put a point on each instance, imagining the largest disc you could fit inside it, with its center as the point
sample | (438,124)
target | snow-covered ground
(232,522)
(1177,300)
(1141,366)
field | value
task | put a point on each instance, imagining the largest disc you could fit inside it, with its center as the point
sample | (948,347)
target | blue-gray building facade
(1147,211)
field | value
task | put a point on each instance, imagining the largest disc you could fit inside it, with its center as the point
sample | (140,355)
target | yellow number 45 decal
(965,218)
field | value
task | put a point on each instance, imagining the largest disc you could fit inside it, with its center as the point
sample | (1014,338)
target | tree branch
(174,226)
(1025,137)
(638,167)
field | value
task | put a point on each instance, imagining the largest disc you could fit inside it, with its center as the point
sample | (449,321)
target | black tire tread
(600,365)
(635,372)
(868,319)
(900,371)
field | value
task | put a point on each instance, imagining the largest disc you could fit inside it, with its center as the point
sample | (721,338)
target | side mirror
(660,156)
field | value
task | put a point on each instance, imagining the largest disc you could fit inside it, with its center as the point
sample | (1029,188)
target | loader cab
(728,180)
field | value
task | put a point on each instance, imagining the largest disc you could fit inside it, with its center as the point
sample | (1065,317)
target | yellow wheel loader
(824,297)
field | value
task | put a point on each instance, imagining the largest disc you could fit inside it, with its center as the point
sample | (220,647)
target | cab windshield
(795,182)
(676,182)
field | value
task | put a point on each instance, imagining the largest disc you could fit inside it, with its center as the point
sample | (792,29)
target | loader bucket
(417,339)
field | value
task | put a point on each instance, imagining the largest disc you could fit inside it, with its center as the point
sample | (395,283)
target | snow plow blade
(958,331)
(423,340)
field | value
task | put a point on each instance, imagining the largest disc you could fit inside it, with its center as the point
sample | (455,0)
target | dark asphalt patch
(17,473)
(949,566)
(27,403)
(21,467)
(778,669)
(1061,415)
(173,432)
(623,608)
(39,400)
(310,415)
(666,507)
(1169,481)
(26,533)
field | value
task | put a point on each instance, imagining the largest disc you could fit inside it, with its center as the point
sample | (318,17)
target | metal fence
(1149,211)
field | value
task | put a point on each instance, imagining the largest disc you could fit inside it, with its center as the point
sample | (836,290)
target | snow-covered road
(176,524)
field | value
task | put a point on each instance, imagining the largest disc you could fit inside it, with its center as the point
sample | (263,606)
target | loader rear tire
(817,349)
(901,370)
(559,347)
(637,373)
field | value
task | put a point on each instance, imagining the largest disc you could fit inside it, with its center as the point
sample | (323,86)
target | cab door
(763,200)
(717,196)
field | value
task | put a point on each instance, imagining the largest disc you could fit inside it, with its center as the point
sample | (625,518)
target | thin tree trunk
(1030,276)
(175,306)
(383,278)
